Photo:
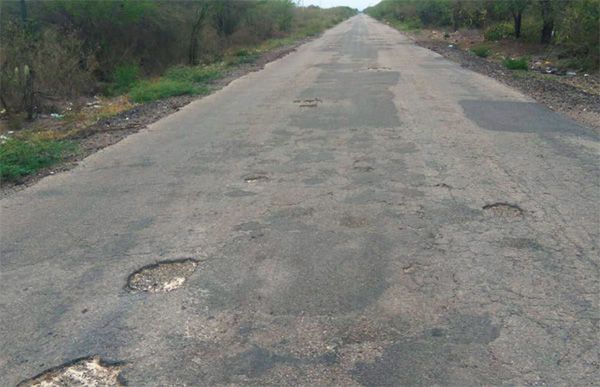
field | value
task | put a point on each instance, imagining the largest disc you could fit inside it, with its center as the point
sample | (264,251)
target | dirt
(575,96)
(89,372)
(109,131)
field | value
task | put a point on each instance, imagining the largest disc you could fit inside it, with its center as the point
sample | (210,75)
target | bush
(521,63)
(499,32)
(148,91)
(481,51)
(124,78)
(19,158)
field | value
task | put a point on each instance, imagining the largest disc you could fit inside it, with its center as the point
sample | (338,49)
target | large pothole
(163,276)
(88,372)
(505,210)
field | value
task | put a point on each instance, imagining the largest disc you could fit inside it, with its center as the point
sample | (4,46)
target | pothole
(255,178)
(90,371)
(505,210)
(362,166)
(379,68)
(354,221)
(164,276)
(309,102)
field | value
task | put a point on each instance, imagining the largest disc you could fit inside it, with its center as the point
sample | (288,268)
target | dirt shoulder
(576,96)
(111,130)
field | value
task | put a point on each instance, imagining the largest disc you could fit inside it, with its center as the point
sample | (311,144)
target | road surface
(361,212)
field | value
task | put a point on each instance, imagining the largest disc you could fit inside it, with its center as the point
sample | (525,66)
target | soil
(575,96)
(112,130)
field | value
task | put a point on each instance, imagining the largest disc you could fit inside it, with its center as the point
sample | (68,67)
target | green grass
(147,91)
(197,74)
(243,56)
(481,51)
(406,25)
(20,158)
(521,63)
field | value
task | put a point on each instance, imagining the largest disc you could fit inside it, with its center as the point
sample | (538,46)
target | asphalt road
(363,212)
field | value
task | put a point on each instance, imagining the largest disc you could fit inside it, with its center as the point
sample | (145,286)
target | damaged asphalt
(418,223)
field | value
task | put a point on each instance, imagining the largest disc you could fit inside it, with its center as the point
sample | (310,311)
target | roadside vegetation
(75,62)
(568,29)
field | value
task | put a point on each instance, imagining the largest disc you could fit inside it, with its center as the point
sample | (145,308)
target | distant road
(362,212)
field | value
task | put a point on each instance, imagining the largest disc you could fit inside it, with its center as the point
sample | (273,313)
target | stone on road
(360,212)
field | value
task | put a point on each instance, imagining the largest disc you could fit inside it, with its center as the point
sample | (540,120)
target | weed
(22,157)
(521,63)
(147,91)
(481,51)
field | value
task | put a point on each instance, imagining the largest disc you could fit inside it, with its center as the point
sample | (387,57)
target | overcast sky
(360,4)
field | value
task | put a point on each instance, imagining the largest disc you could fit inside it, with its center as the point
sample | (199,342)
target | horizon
(358,4)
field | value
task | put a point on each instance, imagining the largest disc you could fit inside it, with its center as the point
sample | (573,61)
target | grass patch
(22,157)
(147,91)
(481,51)
(243,56)
(521,63)
(196,74)
(406,25)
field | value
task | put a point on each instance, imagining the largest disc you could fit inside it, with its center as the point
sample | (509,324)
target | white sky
(360,4)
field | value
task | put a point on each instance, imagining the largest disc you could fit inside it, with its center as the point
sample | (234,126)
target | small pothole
(309,102)
(362,166)
(505,210)
(256,178)
(379,68)
(89,371)
(163,276)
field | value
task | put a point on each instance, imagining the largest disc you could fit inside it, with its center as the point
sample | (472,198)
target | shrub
(499,32)
(124,77)
(481,51)
(19,158)
(521,63)
(147,91)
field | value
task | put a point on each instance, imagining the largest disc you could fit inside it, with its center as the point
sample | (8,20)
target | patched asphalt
(359,212)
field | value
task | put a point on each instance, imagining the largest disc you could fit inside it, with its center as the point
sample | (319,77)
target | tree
(517,7)
(202,11)
(546,8)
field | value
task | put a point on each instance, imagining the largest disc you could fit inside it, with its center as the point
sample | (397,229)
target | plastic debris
(571,73)
(57,116)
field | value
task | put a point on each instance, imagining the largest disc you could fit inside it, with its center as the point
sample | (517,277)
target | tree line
(573,25)
(57,49)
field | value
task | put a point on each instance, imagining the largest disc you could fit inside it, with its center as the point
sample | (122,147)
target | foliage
(124,78)
(481,50)
(499,32)
(521,63)
(573,25)
(21,157)
(147,91)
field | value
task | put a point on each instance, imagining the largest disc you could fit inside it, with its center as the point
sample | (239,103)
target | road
(361,212)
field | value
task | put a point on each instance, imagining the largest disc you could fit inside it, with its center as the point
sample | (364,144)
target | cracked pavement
(412,223)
